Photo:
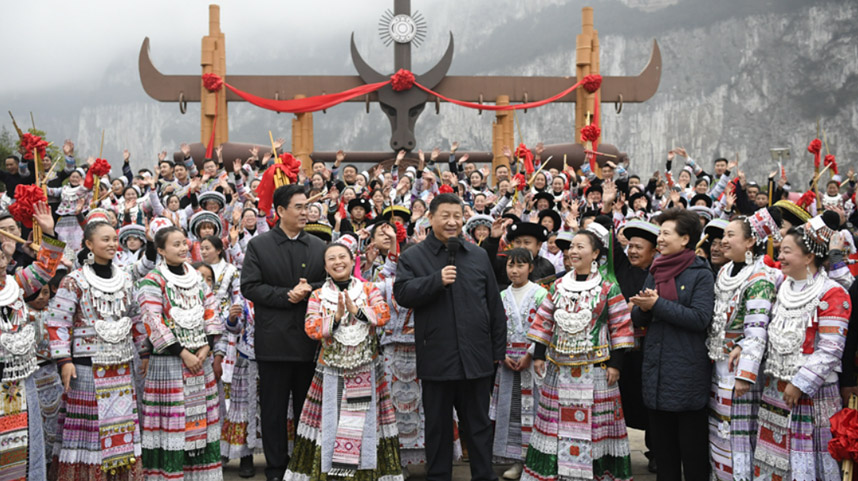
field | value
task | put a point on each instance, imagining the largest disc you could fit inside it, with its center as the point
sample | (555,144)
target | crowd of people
(350,324)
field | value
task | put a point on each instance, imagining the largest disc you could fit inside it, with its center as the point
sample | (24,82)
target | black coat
(461,329)
(677,372)
(273,265)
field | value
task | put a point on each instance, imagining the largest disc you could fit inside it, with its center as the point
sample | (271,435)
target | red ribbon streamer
(401,79)
(523,153)
(26,198)
(814,148)
(829,161)
(265,190)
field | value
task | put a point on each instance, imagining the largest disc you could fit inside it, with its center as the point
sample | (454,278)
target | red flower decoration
(292,164)
(807,199)
(814,147)
(26,198)
(844,431)
(212,82)
(829,160)
(520,181)
(445,189)
(590,133)
(592,82)
(402,80)
(401,233)
(30,142)
(526,156)
(100,168)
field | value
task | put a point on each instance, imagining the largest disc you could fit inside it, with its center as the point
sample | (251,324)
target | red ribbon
(402,80)
(771,262)
(265,189)
(523,153)
(445,189)
(829,161)
(100,168)
(590,133)
(520,181)
(807,199)
(26,198)
(401,233)
(814,148)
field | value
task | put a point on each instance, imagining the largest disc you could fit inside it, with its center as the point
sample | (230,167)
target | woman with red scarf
(676,306)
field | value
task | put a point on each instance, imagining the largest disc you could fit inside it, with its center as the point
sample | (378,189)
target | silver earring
(594,267)
(90,258)
(749,257)
(810,278)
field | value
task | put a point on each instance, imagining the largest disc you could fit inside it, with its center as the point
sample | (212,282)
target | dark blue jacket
(460,330)
(677,372)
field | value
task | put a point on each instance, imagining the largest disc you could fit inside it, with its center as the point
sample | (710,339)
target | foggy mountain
(738,77)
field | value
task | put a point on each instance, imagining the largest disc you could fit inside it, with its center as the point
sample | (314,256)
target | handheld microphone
(452,247)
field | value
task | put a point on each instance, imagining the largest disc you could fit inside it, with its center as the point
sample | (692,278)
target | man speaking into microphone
(460,332)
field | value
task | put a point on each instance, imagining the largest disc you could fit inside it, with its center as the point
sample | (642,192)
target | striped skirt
(794,444)
(732,426)
(241,434)
(181,429)
(311,459)
(514,400)
(579,432)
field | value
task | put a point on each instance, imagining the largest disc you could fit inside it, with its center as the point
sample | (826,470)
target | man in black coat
(281,268)
(460,333)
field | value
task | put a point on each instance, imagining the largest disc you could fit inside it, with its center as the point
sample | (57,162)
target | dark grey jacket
(460,330)
(273,265)
(676,367)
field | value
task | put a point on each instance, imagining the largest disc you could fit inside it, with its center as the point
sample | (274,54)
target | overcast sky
(76,41)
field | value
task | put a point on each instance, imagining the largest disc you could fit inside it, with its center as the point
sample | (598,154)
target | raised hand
(68,148)
(435,153)
(464,158)
(162,155)
(42,216)
(279,143)
(507,152)
(455,146)
(186,150)
(341,156)
(539,149)
(399,156)
(254,152)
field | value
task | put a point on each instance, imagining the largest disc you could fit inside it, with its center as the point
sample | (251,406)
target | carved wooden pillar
(213,60)
(586,63)
(503,134)
(302,139)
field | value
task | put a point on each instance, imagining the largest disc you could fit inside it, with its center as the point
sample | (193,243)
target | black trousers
(471,400)
(276,381)
(681,442)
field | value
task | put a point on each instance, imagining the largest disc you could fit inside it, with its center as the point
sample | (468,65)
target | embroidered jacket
(609,327)
(348,342)
(400,328)
(156,308)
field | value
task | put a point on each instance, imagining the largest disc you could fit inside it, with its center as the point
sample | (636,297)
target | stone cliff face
(738,77)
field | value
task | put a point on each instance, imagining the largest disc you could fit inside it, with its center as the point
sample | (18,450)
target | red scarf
(665,270)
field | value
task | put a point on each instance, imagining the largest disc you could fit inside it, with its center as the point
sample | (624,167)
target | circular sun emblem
(402,29)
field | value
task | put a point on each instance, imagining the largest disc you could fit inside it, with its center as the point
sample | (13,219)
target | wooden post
(213,60)
(503,134)
(302,139)
(586,63)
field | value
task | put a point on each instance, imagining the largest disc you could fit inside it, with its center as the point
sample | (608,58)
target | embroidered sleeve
(757,305)
(60,322)
(39,273)
(377,310)
(150,297)
(315,324)
(833,314)
(619,320)
(841,274)
(543,324)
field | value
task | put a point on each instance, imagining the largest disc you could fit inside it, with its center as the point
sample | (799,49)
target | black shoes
(246,469)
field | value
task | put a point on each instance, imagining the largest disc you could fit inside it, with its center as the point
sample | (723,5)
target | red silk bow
(520,181)
(100,168)
(265,190)
(771,262)
(814,148)
(402,80)
(844,430)
(592,82)
(212,82)
(829,161)
(590,133)
(526,156)
(26,198)
(30,142)
(445,189)
(807,199)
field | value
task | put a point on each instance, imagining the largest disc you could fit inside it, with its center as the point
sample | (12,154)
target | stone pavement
(461,471)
